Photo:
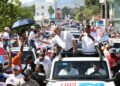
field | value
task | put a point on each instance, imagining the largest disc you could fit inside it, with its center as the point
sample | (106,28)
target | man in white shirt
(69,70)
(96,70)
(16,73)
(64,39)
(46,62)
(88,42)
(10,82)
(5,37)
(32,37)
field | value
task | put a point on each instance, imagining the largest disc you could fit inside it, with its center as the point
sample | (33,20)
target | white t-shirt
(91,70)
(15,78)
(57,40)
(73,71)
(47,65)
(31,36)
(12,75)
(65,40)
(5,35)
(88,45)
(2,84)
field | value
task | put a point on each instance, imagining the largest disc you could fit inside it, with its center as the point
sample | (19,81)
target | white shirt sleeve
(6,75)
(62,72)
(53,40)
(57,40)
(6,35)
(31,36)
(76,72)
(89,71)
(37,61)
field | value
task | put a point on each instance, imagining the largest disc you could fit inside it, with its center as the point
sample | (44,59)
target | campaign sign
(99,23)
(2,59)
(91,84)
(104,38)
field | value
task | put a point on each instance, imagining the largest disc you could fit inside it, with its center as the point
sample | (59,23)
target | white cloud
(50,0)
(26,1)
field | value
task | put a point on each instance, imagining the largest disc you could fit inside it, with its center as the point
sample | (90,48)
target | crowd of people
(36,72)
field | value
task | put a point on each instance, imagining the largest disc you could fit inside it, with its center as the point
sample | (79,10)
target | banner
(2,59)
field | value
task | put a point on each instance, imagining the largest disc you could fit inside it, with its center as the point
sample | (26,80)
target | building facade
(41,9)
(114,12)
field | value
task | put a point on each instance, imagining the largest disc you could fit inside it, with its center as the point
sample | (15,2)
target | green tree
(92,7)
(11,11)
(8,12)
(89,3)
(65,11)
(79,16)
(50,10)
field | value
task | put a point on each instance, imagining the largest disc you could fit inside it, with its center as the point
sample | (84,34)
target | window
(42,7)
(80,68)
(37,14)
(42,14)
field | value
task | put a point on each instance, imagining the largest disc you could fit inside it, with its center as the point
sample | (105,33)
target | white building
(41,9)
(114,12)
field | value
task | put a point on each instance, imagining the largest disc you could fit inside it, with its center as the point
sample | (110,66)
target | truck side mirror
(117,76)
(117,79)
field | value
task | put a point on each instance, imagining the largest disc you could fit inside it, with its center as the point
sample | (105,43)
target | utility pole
(55,1)
(106,13)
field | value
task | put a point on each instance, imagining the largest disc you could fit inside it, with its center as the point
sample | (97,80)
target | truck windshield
(80,70)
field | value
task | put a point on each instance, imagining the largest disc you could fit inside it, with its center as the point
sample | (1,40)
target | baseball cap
(10,81)
(39,52)
(7,28)
(16,67)
(33,27)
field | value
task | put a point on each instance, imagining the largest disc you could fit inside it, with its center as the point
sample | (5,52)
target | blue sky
(61,3)
(70,3)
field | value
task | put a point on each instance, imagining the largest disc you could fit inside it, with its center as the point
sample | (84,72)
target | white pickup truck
(80,73)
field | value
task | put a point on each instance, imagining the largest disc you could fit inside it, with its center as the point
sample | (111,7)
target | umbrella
(23,22)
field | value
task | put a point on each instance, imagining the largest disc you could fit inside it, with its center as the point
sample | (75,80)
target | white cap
(39,52)
(33,27)
(10,81)
(16,67)
(51,51)
(7,28)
